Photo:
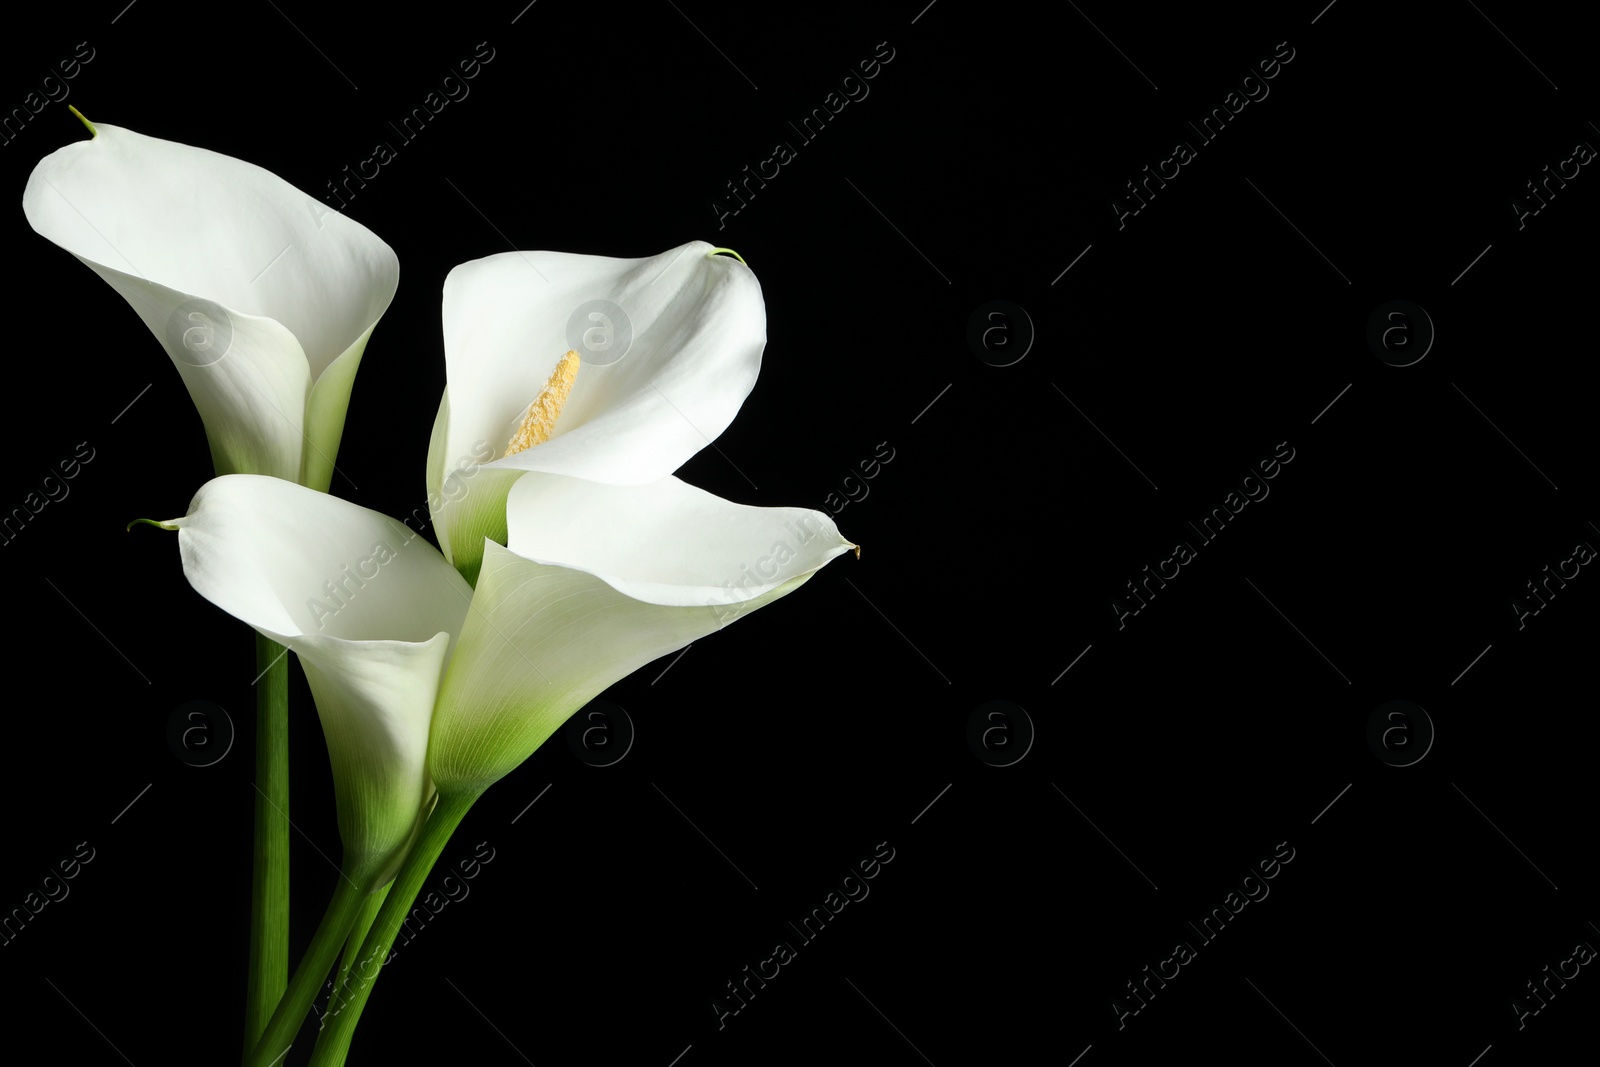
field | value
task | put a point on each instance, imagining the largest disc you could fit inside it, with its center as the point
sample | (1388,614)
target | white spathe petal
(541,641)
(215,228)
(263,298)
(292,561)
(375,700)
(435,474)
(466,500)
(668,542)
(246,375)
(371,609)
(697,325)
(325,414)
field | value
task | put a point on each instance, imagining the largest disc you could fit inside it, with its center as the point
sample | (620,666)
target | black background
(1176,752)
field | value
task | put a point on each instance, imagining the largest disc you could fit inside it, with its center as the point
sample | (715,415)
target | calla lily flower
(598,581)
(263,298)
(372,611)
(608,370)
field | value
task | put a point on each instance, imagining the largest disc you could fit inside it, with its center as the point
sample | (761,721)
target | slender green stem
(345,1008)
(269,903)
(343,910)
(358,932)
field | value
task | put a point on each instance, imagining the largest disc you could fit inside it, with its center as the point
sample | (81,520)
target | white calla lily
(373,612)
(609,370)
(263,298)
(598,581)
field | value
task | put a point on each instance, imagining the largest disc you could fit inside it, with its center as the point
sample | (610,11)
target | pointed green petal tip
(709,254)
(153,522)
(92,131)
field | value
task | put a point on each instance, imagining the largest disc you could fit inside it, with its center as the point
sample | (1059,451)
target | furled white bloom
(372,610)
(597,581)
(263,297)
(609,370)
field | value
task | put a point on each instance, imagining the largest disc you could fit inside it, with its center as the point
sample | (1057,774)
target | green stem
(348,1000)
(343,909)
(358,932)
(269,904)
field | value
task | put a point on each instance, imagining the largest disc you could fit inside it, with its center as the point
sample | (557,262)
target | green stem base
(344,1011)
(358,933)
(269,897)
(343,910)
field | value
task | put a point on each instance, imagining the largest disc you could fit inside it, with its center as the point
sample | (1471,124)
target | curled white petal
(668,542)
(686,332)
(371,609)
(628,575)
(261,296)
